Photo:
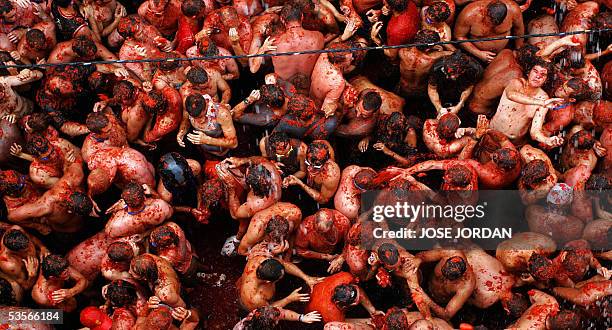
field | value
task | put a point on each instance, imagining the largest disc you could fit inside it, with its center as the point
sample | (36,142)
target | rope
(307,52)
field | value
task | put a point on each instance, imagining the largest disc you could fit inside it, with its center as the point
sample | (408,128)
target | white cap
(560,194)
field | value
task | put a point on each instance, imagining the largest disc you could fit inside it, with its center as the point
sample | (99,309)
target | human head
(582,140)
(11,183)
(526,57)
(195,104)
(191,8)
(363,179)
(133,194)
(506,158)
(230,17)
(538,75)
(516,305)
(496,12)
(38,146)
(572,58)
(259,179)
(170,64)
(301,106)
(143,267)
(79,204)
(534,172)
(7,295)
(272,95)
(270,270)
(7,11)
(448,125)
(425,37)
(395,319)
(54,266)
(124,92)
(265,317)
(120,252)
(291,13)
(94,318)
(540,267)
(197,76)
(599,183)
(154,102)
(340,59)
(159,318)
(316,156)
(279,142)
(207,47)
(277,228)
(388,254)
(397,5)
(345,295)
(437,12)
(574,88)
(422,324)
(560,194)
(62,3)
(454,268)
(324,221)
(97,122)
(15,240)
(163,237)
(458,176)
(36,39)
(84,47)
(128,26)
(121,293)
(38,122)
(564,320)
(369,102)
(100,82)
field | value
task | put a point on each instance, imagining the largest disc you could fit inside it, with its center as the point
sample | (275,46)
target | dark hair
(195,104)
(454,268)
(344,295)
(572,57)
(263,318)
(398,5)
(363,179)
(580,87)
(505,158)
(192,8)
(124,90)
(582,140)
(538,266)
(5,6)
(36,39)
(62,3)
(39,122)
(497,11)
(96,121)
(84,47)
(372,101)
(526,57)
(395,319)
(535,171)
(197,75)
(99,81)
(80,204)
(121,293)
(517,305)
(388,254)
(208,48)
(127,26)
(337,57)
(7,295)
(291,13)
(448,125)
(439,11)
(154,102)
(163,236)
(317,153)
(598,183)
(458,175)
(169,64)
(144,266)
(278,137)
(565,320)
(37,145)
(270,270)
(120,252)
(53,265)
(258,178)
(277,227)
(301,106)
(426,37)
(10,187)
(133,194)
(16,240)
(272,95)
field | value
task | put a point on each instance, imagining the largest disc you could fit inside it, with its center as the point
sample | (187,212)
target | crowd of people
(105,159)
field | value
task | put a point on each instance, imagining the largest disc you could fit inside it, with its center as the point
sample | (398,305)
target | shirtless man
(514,254)
(162,14)
(115,264)
(136,213)
(288,153)
(264,222)
(19,256)
(538,175)
(360,121)
(321,235)
(354,181)
(323,174)
(328,82)
(503,18)
(391,102)
(263,181)
(580,156)
(453,281)
(586,293)
(103,17)
(269,104)
(166,111)
(505,67)
(228,29)
(214,130)
(158,273)
(416,62)
(523,107)
(487,269)
(227,67)
(535,317)
(63,206)
(264,28)
(201,81)
(295,39)
(16,106)
(444,137)
(257,285)
(16,190)
(36,43)
(49,290)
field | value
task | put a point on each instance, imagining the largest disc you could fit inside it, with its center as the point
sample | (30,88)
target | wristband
(300,317)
